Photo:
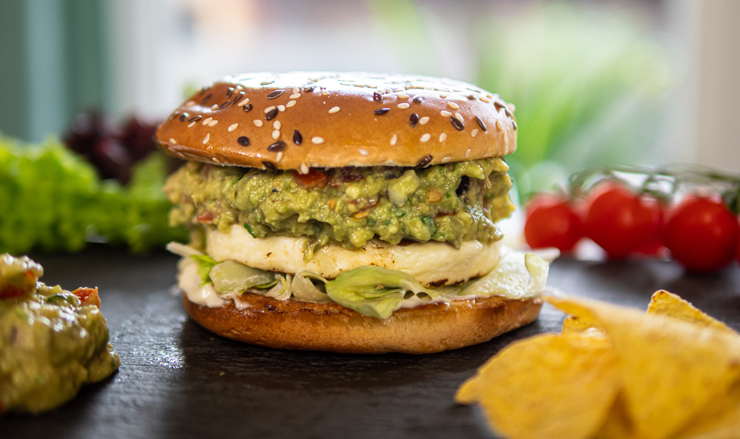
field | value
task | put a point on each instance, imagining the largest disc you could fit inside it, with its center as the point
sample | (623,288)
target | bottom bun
(331,327)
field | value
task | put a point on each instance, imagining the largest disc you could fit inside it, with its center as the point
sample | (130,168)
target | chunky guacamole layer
(451,203)
(52,341)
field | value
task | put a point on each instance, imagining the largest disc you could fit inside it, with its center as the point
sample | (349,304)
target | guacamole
(52,341)
(451,203)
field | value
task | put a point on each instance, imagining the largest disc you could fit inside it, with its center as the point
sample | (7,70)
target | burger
(348,212)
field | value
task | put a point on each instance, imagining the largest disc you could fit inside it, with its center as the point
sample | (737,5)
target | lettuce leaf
(231,277)
(205,265)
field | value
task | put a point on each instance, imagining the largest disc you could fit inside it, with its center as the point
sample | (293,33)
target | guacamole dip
(52,341)
(451,203)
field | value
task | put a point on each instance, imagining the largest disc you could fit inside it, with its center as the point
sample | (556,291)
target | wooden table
(178,380)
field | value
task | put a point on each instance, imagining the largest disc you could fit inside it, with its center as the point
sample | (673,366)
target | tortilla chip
(719,420)
(671,305)
(547,386)
(579,325)
(617,424)
(670,369)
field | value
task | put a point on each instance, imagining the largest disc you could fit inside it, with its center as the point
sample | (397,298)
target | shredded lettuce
(231,277)
(205,265)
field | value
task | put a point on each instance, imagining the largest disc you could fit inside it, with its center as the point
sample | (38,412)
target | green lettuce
(231,277)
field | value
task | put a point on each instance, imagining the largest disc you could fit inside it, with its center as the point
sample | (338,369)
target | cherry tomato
(702,234)
(552,222)
(620,221)
(654,245)
(314,179)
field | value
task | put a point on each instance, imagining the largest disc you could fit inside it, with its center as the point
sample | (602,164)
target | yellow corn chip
(547,386)
(617,424)
(719,420)
(668,304)
(670,369)
(575,324)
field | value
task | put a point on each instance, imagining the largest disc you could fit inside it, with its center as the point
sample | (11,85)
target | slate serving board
(178,380)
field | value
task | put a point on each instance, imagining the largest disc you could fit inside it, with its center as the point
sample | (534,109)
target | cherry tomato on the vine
(620,221)
(702,234)
(552,222)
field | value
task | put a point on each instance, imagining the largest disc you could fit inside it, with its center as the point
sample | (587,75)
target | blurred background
(594,82)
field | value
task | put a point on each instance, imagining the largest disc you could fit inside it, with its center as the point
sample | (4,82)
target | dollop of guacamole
(452,203)
(52,341)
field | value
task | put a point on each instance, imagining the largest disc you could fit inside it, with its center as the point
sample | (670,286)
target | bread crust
(331,327)
(338,122)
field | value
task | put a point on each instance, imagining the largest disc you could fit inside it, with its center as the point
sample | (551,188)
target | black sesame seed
(425,161)
(414,119)
(229,92)
(243,141)
(247,108)
(514,124)
(297,137)
(269,165)
(224,105)
(498,105)
(277,146)
(508,113)
(271,308)
(238,97)
(377,97)
(275,94)
(417,99)
(457,123)
(183,117)
(481,124)
(205,99)
(471,97)
(272,114)
(195,118)
(380,111)
(308,89)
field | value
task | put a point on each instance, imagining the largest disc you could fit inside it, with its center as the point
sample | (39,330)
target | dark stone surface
(177,380)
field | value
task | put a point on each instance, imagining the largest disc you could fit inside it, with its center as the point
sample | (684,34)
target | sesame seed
(457,123)
(191,124)
(258,122)
(189,103)
(269,165)
(281,107)
(417,99)
(459,117)
(277,146)
(324,93)
(272,114)
(317,140)
(276,134)
(295,95)
(334,110)
(513,124)
(489,96)
(498,105)
(424,120)
(377,97)
(425,161)
(426,137)
(297,137)
(481,124)
(224,105)
(474,132)
(243,141)
(363,152)
(403,96)
(266,82)
(279,157)
(442,96)
(443,137)
(205,139)
(207,120)
(453,105)
(214,106)
(205,99)
(413,119)
(467,153)
(195,118)
(275,94)
(296,90)
(381,111)
(276,124)
(486,100)
(403,106)
(499,126)
(173,141)
(268,109)
(247,108)
(446,114)
(446,159)
(212,123)
(290,104)
(244,102)
(215,160)
(512,107)
(308,89)
(232,127)
(183,117)
(394,139)
(237,97)
(304,168)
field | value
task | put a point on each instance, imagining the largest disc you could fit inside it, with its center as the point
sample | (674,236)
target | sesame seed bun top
(301,120)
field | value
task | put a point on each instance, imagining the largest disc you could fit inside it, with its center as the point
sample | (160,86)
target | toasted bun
(331,327)
(252,120)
